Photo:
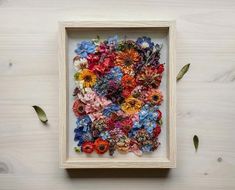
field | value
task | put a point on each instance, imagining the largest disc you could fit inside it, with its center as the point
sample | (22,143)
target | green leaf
(76,149)
(196,142)
(182,72)
(41,114)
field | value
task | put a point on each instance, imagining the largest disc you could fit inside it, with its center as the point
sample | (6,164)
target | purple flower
(145,42)
(112,41)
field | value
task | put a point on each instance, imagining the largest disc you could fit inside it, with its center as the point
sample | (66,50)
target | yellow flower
(88,78)
(131,105)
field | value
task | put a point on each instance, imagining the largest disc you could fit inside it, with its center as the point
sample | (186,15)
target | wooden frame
(65,161)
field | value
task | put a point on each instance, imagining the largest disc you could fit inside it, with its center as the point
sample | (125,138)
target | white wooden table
(205,96)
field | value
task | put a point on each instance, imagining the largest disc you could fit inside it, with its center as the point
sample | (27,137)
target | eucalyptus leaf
(182,72)
(41,114)
(196,142)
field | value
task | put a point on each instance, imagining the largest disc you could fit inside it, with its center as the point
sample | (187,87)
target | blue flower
(147,119)
(101,86)
(104,135)
(147,148)
(78,138)
(145,42)
(112,41)
(84,48)
(148,113)
(82,130)
(115,74)
(111,109)
(83,124)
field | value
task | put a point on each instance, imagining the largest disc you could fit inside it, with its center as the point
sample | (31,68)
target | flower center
(144,45)
(132,103)
(87,78)
(128,61)
(155,97)
(87,147)
(101,147)
(81,109)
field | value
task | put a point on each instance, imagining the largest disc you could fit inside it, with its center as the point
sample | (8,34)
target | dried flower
(101,146)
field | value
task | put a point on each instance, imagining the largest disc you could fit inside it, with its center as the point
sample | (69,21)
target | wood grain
(205,96)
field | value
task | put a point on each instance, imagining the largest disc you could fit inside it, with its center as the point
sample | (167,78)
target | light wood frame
(65,162)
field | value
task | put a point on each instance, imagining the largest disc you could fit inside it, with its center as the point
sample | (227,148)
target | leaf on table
(41,114)
(196,142)
(182,72)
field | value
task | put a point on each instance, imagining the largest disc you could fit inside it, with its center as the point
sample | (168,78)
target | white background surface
(205,96)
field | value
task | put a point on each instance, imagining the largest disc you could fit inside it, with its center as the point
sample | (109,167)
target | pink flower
(135,118)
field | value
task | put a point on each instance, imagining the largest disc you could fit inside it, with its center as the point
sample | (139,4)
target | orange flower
(154,96)
(88,147)
(101,146)
(128,82)
(127,59)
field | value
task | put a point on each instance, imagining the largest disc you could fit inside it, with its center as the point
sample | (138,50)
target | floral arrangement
(117,96)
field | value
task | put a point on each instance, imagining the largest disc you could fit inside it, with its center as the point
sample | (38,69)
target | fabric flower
(78,108)
(114,92)
(154,96)
(149,77)
(112,108)
(88,147)
(145,42)
(126,125)
(115,74)
(123,144)
(101,62)
(83,124)
(159,115)
(113,41)
(156,131)
(128,82)
(127,59)
(88,78)
(105,135)
(80,63)
(126,92)
(147,119)
(160,69)
(84,48)
(131,105)
(101,146)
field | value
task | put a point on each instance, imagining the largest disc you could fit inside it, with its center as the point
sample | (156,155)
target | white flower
(80,63)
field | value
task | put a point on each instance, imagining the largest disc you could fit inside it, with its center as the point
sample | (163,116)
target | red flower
(101,63)
(160,68)
(101,146)
(88,147)
(128,82)
(159,114)
(149,77)
(126,93)
(126,125)
(78,108)
(102,48)
(156,131)
(93,59)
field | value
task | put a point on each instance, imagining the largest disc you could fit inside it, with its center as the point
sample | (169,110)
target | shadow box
(117,94)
